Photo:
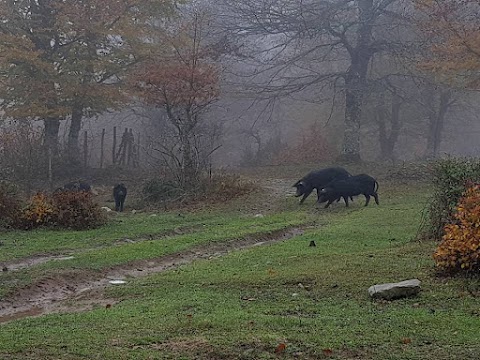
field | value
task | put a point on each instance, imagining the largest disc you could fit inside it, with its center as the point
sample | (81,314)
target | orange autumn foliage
(460,247)
(40,211)
(452,28)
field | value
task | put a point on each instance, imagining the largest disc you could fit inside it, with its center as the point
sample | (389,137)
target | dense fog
(184,88)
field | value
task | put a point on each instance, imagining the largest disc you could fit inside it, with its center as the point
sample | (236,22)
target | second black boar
(352,186)
(77,186)
(318,180)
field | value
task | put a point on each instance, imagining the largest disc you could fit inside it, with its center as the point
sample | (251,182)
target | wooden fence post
(102,144)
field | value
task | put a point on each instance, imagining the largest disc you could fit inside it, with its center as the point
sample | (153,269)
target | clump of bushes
(39,212)
(450,178)
(460,247)
(76,210)
(224,187)
(63,209)
(10,205)
(160,190)
(311,147)
(215,188)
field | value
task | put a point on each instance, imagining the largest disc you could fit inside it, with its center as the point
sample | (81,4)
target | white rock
(395,290)
(106,208)
(117,282)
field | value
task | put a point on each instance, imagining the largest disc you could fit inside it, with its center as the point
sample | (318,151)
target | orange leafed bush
(65,209)
(39,212)
(460,247)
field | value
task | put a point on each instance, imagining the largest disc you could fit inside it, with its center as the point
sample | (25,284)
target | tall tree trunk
(353,112)
(388,141)
(51,130)
(189,168)
(74,132)
(355,81)
(436,122)
(190,165)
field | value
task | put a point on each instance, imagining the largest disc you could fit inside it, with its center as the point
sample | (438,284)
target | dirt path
(73,291)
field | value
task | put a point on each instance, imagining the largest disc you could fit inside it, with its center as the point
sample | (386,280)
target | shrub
(76,210)
(219,187)
(39,212)
(157,190)
(460,248)
(310,148)
(223,187)
(10,206)
(450,177)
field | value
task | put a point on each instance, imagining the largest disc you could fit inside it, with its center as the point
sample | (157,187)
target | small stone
(153,215)
(134,211)
(259,215)
(106,208)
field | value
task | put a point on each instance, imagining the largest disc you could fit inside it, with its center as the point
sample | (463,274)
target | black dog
(119,194)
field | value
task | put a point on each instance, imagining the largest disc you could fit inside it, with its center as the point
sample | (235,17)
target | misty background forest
(183,88)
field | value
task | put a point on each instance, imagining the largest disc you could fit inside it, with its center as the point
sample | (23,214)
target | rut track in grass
(75,290)
(27,262)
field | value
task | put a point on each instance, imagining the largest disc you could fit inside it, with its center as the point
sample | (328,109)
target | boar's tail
(376,186)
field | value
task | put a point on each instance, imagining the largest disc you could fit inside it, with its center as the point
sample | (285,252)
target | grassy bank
(243,305)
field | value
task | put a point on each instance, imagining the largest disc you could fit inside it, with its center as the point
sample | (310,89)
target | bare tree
(184,85)
(313,44)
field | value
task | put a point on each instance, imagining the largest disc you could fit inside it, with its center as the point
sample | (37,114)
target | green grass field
(244,304)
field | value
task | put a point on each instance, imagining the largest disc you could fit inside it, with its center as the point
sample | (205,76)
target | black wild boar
(352,186)
(318,180)
(119,194)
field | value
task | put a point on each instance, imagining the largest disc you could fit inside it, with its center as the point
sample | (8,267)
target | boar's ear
(323,191)
(297,183)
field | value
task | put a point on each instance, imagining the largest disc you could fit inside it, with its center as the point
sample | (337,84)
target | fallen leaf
(108,306)
(271,272)
(327,352)
(406,341)
(280,348)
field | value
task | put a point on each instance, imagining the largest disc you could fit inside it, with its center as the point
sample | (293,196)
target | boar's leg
(368,199)
(329,203)
(345,198)
(375,195)
(305,195)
